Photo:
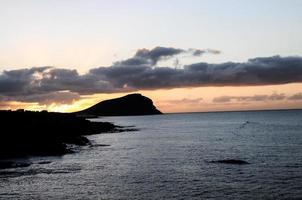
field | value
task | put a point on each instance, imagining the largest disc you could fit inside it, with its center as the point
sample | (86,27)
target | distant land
(132,104)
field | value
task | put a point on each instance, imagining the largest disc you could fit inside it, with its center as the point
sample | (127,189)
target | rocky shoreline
(27,133)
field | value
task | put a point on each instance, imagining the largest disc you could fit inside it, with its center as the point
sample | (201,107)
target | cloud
(61,97)
(296,97)
(199,52)
(185,101)
(276,97)
(227,99)
(257,71)
(150,57)
(153,56)
(223,99)
(141,73)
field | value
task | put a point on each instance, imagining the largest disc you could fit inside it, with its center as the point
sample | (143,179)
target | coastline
(28,133)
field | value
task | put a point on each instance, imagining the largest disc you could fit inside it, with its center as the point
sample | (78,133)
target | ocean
(170,157)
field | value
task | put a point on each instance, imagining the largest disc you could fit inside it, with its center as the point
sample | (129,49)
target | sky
(186,55)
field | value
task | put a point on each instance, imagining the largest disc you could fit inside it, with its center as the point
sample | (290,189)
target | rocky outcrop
(132,104)
(26,133)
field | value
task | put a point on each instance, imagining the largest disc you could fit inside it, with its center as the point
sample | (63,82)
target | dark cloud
(158,53)
(295,97)
(257,71)
(40,80)
(152,57)
(199,52)
(140,72)
(227,99)
(62,97)
(17,81)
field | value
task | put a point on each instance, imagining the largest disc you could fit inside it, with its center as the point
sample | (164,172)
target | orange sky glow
(198,99)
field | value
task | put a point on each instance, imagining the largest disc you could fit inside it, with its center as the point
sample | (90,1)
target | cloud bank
(140,72)
(272,97)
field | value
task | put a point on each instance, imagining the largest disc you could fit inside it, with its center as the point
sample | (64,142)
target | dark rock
(101,145)
(132,104)
(44,162)
(11,164)
(44,133)
(230,161)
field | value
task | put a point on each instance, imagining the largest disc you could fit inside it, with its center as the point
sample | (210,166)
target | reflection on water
(170,156)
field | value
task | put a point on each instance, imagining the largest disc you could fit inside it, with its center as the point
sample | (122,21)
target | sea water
(170,157)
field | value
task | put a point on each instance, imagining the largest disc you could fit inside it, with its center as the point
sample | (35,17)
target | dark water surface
(169,158)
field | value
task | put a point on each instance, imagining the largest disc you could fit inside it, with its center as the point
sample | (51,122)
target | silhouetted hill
(132,104)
